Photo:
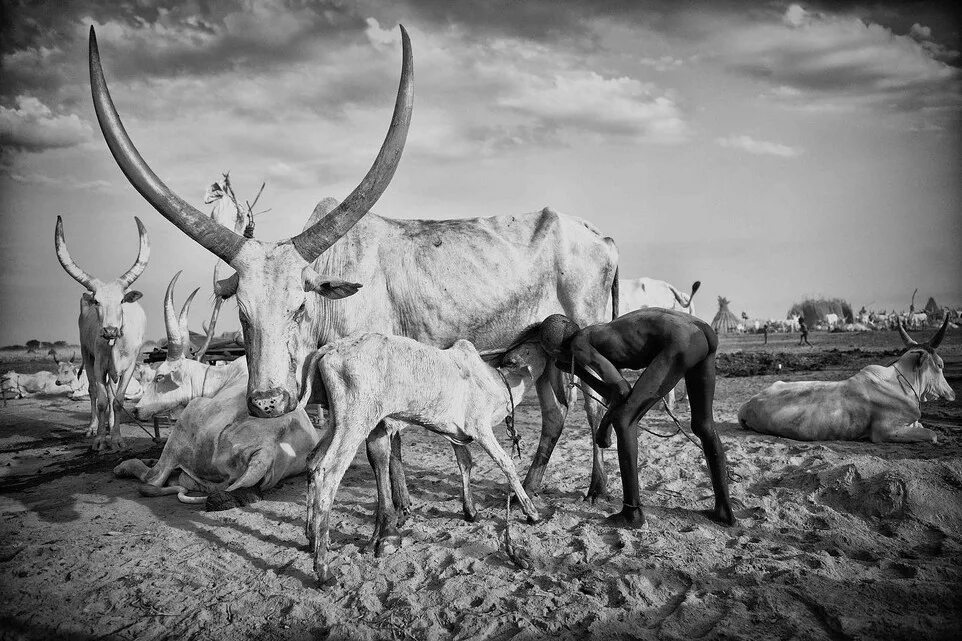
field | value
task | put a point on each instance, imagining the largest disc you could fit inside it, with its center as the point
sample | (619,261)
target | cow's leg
(399,486)
(103,415)
(553,414)
(486,439)
(90,373)
(598,487)
(327,467)
(116,434)
(385,538)
(700,380)
(463,454)
(894,433)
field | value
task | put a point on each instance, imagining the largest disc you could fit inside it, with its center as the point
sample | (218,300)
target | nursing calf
(878,403)
(451,392)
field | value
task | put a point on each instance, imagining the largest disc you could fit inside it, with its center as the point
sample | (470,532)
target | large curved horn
(908,340)
(257,468)
(63,255)
(936,340)
(219,240)
(175,340)
(143,255)
(183,322)
(314,241)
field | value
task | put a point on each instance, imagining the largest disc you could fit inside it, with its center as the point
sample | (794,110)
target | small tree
(32,345)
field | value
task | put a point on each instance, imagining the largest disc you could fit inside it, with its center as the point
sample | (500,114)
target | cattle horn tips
(908,340)
(936,340)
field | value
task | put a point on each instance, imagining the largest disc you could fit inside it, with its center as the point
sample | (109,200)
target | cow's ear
(132,295)
(336,288)
(87,298)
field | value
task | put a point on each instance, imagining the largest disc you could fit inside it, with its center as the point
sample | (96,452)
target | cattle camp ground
(835,540)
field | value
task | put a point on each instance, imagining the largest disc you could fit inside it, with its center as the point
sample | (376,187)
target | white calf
(452,392)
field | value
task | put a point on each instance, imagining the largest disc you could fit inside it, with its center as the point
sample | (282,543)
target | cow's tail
(615,285)
(615,295)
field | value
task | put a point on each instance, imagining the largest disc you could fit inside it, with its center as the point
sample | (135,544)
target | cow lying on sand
(215,443)
(878,403)
(16,385)
(452,392)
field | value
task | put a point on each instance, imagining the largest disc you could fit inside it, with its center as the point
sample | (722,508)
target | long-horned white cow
(483,279)
(638,293)
(215,443)
(112,325)
(452,392)
(878,403)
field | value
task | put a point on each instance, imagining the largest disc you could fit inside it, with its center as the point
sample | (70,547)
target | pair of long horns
(178,332)
(85,279)
(934,342)
(219,240)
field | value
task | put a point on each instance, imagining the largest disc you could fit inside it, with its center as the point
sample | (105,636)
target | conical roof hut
(932,308)
(725,322)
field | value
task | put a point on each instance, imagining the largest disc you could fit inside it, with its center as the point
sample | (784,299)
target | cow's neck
(908,377)
(208,380)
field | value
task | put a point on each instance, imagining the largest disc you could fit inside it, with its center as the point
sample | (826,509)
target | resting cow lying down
(215,443)
(878,403)
(452,392)
(15,385)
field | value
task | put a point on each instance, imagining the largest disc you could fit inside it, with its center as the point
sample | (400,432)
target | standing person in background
(804,329)
(765,329)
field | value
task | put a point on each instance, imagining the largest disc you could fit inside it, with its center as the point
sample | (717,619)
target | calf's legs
(463,454)
(385,538)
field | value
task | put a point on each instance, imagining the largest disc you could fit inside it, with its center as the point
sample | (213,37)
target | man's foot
(721,514)
(629,518)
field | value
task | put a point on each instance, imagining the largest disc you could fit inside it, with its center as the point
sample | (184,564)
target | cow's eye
(159,378)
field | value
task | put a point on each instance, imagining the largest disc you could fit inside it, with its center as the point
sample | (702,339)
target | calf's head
(275,283)
(106,297)
(169,385)
(927,364)
(67,371)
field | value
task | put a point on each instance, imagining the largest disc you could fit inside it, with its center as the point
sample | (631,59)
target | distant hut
(814,310)
(932,308)
(725,322)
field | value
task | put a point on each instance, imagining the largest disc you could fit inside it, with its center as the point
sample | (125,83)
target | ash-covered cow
(112,326)
(481,279)
(878,403)
(452,392)
(16,385)
(215,443)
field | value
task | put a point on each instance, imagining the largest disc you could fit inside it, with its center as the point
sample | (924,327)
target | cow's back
(484,279)
(808,411)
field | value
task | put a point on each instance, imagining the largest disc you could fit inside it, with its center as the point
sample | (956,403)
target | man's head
(555,330)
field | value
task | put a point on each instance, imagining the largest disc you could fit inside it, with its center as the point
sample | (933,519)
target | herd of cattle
(431,341)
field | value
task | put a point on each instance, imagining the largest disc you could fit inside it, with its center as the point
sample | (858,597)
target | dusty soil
(835,540)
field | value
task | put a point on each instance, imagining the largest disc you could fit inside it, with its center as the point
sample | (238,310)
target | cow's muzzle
(271,403)
(111,333)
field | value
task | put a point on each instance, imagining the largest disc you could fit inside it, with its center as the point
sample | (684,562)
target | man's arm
(585,356)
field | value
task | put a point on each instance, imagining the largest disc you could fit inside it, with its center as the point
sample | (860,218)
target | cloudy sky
(772,150)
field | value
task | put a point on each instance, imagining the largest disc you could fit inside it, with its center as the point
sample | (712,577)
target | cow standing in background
(112,326)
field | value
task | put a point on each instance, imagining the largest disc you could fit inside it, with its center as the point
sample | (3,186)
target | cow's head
(168,385)
(927,364)
(67,371)
(276,285)
(106,297)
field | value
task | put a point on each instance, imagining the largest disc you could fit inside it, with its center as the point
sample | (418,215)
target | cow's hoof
(470,515)
(387,545)
(533,517)
(596,492)
(118,445)
(402,515)
(99,443)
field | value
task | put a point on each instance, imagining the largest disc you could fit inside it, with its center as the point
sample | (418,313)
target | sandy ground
(835,540)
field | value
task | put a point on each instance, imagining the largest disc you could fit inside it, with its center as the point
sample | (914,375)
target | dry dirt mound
(761,363)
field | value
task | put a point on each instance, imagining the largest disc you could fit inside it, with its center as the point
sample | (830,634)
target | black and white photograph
(480,319)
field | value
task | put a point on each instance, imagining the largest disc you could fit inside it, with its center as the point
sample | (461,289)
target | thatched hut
(725,322)
(932,308)
(814,310)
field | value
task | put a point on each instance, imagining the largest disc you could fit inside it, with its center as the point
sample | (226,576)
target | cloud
(758,147)
(836,56)
(32,126)
(63,182)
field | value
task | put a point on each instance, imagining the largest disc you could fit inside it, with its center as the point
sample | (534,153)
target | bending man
(668,345)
